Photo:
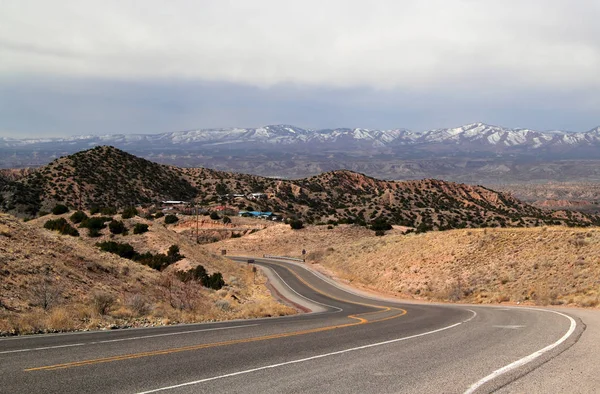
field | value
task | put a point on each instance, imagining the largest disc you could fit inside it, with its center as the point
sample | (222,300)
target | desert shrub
(78,217)
(226,219)
(94,209)
(158,261)
(199,274)
(158,215)
(138,305)
(214,281)
(214,216)
(95,222)
(173,252)
(221,189)
(108,211)
(117,227)
(62,226)
(223,305)
(42,213)
(102,302)
(129,212)
(380,225)
(296,224)
(122,249)
(170,219)
(59,209)
(45,293)
(140,228)
(379,233)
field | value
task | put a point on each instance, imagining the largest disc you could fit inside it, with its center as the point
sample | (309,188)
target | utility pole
(197,221)
(80,192)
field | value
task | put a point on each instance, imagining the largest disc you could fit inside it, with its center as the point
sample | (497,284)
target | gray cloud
(82,66)
(343,43)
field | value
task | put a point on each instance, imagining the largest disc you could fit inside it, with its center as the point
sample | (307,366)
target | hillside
(102,176)
(536,266)
(51,282)
(581,196)
(108,177)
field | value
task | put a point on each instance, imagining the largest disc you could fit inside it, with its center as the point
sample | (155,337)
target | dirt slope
(53,282)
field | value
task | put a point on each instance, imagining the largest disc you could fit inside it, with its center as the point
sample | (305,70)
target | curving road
(351,343)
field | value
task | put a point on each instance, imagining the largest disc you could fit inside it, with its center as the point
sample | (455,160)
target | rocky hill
(102,176)
(106,176)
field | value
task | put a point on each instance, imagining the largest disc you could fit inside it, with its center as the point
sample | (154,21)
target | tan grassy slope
(52,282)
(555,265)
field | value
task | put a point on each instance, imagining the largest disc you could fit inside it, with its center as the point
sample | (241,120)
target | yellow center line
(235,341)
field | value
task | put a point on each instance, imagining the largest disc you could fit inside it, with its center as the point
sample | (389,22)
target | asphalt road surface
(350,344)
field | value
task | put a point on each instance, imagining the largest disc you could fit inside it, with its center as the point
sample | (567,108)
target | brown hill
(106,176)
(51,282)
(349,197)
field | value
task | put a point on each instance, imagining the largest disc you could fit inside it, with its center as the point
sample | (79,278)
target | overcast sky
(83,67)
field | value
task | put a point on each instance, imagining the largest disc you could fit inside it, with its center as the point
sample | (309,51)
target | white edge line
(124,339)
(526,359)
(309,358)
(496,373)
(300,295)
(338,309)
(346,288)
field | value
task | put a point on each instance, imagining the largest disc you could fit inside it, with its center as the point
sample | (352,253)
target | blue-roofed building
(260,215)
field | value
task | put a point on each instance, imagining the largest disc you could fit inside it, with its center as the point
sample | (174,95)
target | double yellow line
(235,341)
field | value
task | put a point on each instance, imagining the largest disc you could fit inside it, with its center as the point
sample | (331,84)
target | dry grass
(548,265)
(88,289)
(280,239)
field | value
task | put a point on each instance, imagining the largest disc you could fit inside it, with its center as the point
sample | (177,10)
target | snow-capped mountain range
(471,136)
(279,142)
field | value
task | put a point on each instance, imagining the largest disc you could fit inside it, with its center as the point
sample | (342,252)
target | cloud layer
(82,66)
(384,44)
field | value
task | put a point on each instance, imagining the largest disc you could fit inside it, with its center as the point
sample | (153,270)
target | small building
(257,214)
(173,202)
(256,196)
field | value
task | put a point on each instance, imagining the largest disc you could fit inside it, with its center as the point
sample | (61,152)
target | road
(351,344)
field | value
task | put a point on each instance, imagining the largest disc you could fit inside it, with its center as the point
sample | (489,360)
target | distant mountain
(106,176)
(476,136)
(475,153)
